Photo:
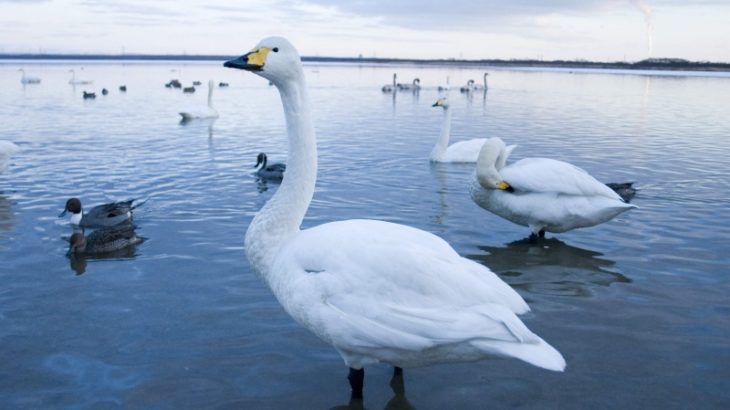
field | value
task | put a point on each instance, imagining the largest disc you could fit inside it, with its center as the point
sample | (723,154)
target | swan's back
(463,151)
(545,175)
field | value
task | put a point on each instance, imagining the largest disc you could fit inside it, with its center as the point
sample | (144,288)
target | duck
(28,79)
(544,194)
(204,113)
(104,215)
(389,88)
(74,80)
(89,95)
(376,291)
(222,84)
(462,151)
(123,88)
(269,171)
(190,89)
(104,91)
(104,240)
(7,149)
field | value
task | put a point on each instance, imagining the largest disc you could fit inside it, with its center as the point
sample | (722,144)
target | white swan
(389,88)
(544,194)
(7,149)
(27,79)
(376,291)
(462,151)
(480,87)
(445,87)
(73,79)
(203,113)
(415,85)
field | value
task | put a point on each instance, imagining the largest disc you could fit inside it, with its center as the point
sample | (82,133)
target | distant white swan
(445,87)
(389,88)
(7,149)
(204,112)
(462,151)
(415,85)
(471,85)
(28,79)
(73,79)
(544,194)
(376,291)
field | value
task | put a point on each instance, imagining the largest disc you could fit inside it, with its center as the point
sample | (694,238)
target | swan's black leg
(356,378)
(541,233)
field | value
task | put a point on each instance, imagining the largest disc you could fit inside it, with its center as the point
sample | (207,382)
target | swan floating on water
(471,85)
(444,87)
(267,171)
(462,151)
(388,88)
(376,291)
(544,194)
(104,215)
(73,79)
(204,113)
(28,79)
(415,85)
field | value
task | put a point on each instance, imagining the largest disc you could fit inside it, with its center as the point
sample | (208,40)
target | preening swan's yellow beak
(503,185)
(254,60)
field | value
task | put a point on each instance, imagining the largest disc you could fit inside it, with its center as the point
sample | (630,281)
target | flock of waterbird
(381,292)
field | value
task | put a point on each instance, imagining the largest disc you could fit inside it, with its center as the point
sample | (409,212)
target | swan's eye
(275,49)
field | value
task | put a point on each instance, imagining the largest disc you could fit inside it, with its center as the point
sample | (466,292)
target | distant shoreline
(670,64)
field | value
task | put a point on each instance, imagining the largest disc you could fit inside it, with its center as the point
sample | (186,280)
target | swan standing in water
(544,194)
(462,151)
(267,171)
(27,79)
(73,79)
(204,113)
(389,88)
(376,291)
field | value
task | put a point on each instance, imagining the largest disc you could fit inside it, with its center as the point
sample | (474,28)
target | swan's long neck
(282,215)
(486,171)
(443,141)
(210,96)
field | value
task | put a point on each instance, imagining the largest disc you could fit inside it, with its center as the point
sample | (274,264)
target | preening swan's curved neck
(282,215)
(487,173)
(443,142)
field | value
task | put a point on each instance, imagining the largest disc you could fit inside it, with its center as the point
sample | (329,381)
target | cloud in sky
(567,29)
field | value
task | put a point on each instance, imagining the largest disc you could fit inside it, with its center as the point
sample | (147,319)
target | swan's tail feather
(538,352)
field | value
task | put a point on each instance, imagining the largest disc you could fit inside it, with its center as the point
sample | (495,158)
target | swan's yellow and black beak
(505,186)
(254,60)
(438,103)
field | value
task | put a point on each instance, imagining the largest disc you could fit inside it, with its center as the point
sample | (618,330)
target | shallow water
(638,306)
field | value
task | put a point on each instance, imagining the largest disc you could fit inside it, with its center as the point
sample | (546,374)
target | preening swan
(544,194)
(376,291)
(203,113)
(462,151)
(105,215)
(268,171)
(389,88)
(73,79)
(28,79)
(471,85)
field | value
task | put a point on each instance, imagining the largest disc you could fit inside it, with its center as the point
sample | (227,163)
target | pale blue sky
(559,29)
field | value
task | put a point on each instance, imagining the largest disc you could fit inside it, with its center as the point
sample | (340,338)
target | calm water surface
(638,306)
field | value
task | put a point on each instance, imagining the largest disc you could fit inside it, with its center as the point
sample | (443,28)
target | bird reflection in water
(119,245)
(79,262)
(399,401)
(7,217)
(550,267)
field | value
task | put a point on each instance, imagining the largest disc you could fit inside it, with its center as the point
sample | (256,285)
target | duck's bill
(251,61)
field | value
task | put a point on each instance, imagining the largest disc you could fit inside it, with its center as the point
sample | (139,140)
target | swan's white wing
(544,175)
(463,151)
(390,284)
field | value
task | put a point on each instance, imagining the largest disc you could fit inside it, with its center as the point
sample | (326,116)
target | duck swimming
(105,215)
(543,194)
(376,291)
(269,171)
(104,240)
